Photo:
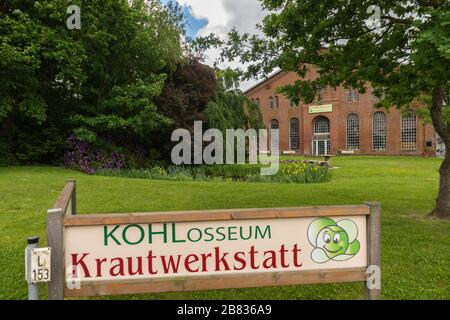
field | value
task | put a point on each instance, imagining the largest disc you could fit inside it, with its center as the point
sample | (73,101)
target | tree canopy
(98,83)
(105,95)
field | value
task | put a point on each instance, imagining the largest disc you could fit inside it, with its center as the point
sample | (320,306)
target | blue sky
(193,24)
(219,17)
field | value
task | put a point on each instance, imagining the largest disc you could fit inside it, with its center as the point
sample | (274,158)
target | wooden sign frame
(63,214)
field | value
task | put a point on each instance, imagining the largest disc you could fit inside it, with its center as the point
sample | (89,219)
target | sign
(39,265)
(133,253)
(182,249)
(321,108)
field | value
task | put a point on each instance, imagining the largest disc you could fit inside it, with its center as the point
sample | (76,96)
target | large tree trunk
(443,201)
(443,129)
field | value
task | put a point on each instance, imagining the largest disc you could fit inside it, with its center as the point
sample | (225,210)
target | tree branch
(398,20)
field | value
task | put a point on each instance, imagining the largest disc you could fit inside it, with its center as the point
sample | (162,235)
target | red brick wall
(338,119)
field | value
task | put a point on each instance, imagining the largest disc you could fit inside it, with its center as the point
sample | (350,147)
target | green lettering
(110,235)
(151,233)
(211,237)
(124,234)
(258,230)
(222,234)
(199,235)
(174,235)
(230,233)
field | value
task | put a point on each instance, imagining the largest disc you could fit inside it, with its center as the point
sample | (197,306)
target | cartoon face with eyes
(333,240)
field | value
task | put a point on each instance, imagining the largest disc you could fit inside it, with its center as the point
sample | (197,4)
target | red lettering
(204,261)
(130,266)
(221,260)
(99,266)
(150,258)
(240,260)
(188,262)
(252,258)
(283,252)
(296,252)
(76,262)
(270,262)
(170,264)
(119,266)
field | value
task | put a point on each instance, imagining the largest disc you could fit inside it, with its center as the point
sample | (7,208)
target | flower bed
(290,173)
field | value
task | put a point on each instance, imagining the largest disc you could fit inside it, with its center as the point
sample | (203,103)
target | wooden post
(55,240)
(73,198)
(374,249)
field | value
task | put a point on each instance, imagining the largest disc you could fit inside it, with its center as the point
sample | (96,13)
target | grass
(415,248)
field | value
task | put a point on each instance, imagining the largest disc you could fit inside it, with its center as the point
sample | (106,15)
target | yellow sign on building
(321,108)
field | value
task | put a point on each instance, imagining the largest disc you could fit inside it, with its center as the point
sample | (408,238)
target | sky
(220,16)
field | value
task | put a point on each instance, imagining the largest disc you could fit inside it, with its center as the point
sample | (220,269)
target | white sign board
(180,249)
(39,265)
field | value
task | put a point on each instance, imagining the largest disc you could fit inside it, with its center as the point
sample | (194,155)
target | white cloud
(222,16)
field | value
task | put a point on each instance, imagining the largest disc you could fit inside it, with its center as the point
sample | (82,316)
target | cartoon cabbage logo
(333,240)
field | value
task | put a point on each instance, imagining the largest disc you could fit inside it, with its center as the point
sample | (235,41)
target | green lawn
(415,248)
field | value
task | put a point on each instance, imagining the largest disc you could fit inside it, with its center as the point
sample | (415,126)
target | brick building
(343,121)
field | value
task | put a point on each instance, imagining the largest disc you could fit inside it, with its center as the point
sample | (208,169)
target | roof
(263,81)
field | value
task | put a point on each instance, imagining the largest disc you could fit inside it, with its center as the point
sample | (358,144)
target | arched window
(322,125)
(294,134)
(321,139)
(379,141)
(409,132)
(353,132)
(274,124)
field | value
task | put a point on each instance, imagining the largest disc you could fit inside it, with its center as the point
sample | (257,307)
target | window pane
(277,102)
(274,124)
(409,132)
(322,125)
(294,134)
(353,132)
(348,95)
(379,131)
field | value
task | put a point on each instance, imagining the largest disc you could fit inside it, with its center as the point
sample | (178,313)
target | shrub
(82,156)
(292,173)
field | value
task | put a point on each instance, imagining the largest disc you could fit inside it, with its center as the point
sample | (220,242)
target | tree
(186,93)
(100,82)
(402,47)
(230,109)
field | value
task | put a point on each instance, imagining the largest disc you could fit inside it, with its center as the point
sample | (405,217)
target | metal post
(33,288)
